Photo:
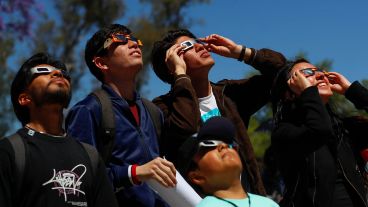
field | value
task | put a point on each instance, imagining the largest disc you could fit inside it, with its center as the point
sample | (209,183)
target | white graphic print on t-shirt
(208,107)
(68,181)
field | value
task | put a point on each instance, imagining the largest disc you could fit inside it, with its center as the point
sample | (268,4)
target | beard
(60,96)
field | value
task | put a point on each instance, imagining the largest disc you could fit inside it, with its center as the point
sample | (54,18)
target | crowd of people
(114,142)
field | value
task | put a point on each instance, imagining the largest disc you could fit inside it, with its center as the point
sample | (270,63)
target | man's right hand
(175,61)
(159,169)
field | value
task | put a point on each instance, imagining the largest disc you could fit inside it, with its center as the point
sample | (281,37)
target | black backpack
(20,151)
(107,130)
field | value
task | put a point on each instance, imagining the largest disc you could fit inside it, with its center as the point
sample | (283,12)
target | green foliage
(260,139)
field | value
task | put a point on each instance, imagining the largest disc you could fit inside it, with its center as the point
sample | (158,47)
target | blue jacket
(133,144)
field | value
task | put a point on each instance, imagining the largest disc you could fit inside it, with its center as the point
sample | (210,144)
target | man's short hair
(158,53)
(22,80)
(96,42)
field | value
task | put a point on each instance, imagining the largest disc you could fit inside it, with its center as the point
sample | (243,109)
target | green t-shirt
(255,200)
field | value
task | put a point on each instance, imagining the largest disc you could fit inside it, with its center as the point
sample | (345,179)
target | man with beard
(57,170)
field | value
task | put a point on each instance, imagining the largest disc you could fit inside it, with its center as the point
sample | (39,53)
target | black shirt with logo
(58,172)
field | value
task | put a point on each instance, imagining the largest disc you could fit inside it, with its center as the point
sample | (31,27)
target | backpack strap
(106,131)
(155,115)
(93,157)
(20,159)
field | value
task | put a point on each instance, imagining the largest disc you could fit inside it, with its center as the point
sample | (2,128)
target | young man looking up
(183,61)
(211,162)
(57,170)
(114,57)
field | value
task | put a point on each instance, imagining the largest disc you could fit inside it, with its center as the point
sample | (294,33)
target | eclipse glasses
(215,143)
(312,71)
(188,44)
(47,69)
(119,38)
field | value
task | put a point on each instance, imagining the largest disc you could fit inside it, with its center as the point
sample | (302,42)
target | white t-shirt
(208,107)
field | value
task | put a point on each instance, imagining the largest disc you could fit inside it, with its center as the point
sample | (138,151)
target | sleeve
(358,125)
(358,95)
(252,94)
(7,182)
(312,129)
(103,191)
(267,61)
(82,123)
(181,113)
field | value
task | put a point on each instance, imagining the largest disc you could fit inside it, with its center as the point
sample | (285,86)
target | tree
(63,34)
(14,27)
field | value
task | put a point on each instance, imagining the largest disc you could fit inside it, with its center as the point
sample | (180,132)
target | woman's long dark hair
(282,106)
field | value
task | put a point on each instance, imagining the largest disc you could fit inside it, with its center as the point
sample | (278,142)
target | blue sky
(337,30)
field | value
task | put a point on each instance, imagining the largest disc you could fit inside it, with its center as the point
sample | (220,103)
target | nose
(58,73)
(132,44)
(320,75)
(222,146)
(198,46)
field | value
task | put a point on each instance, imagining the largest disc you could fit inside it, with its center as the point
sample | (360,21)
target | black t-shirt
(58,172)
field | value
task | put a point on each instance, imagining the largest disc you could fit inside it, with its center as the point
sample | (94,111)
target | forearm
(358,95)
(267,61)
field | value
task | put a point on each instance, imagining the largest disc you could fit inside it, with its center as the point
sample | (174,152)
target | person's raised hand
(338,82)
(298,82)
(221,45)
(161,170)
(175,61)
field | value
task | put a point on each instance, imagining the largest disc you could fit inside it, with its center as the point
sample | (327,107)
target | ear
(100,63)
(196,178)
(24,99)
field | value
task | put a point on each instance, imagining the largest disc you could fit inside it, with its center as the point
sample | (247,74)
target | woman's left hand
(338,82)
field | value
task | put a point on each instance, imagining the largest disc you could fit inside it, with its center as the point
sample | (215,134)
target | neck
(235,191)
(202,87)
(125,89)
(47,119)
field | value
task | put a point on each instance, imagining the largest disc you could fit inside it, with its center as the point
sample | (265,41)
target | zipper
(222,93)
(294,191)
(145,146)
(315,179)
(343,172)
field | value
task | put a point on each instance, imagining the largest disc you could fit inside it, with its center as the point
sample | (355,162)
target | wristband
(242,53)
(134,175)
(364,154)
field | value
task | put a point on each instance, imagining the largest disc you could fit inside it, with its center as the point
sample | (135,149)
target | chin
(325,92)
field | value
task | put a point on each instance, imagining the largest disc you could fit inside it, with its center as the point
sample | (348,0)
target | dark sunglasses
(312,71)
(38,70)
(188,44)
(119,38)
